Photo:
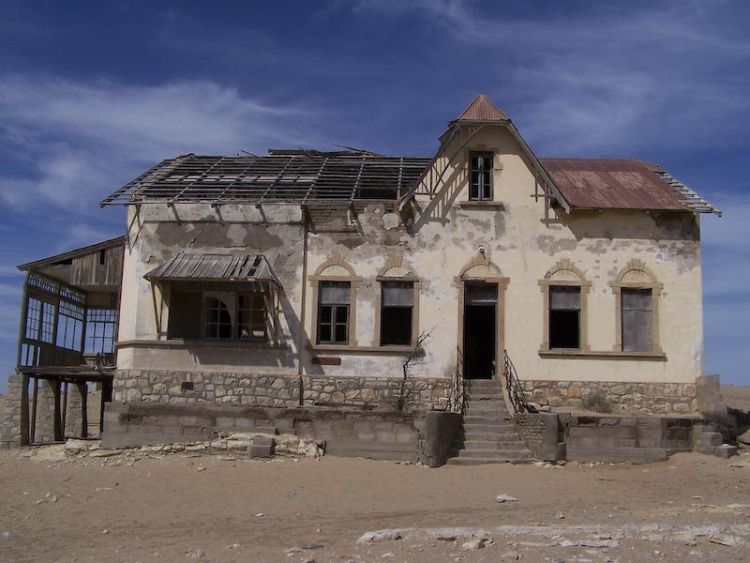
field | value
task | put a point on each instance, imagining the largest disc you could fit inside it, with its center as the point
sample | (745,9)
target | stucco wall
(434,240)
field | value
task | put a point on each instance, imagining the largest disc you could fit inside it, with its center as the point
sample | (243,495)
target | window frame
(635,275)
(578,310)
(481,196)
(220,292)
(334,323)
(565,274)
(416,290)
(334,269)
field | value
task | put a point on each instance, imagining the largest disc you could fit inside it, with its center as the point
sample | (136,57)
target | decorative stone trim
(481,268)
(637,276)
(649,398)
(567,274)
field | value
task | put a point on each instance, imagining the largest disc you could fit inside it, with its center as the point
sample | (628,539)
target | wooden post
(64,415)
(33,411)
(83,390)
(58,429)
(24,411)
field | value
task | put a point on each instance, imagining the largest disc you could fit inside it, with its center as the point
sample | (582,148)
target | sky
(92,93)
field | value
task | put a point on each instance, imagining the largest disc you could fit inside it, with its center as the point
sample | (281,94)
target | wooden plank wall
(100,268)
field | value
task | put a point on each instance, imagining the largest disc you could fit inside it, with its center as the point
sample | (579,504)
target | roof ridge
(482,108)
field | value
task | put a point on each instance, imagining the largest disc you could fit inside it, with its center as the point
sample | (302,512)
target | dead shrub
(597,401)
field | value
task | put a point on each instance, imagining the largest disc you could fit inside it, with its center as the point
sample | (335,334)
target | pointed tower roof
(482,109)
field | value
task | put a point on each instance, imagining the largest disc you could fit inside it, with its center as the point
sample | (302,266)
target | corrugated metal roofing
(482,109)
(215,267)
(621,184)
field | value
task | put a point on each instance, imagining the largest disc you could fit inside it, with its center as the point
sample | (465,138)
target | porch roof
(215,267)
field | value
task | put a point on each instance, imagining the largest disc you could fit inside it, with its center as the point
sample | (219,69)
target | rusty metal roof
(482,109)
(622,184)
(215,267)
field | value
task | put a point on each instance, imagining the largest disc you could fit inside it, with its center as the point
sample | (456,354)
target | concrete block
(725,451)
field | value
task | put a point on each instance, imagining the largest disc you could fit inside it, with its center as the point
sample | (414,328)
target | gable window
(637,320)
(396,313)
(480,187)
(564,317)
(333,312)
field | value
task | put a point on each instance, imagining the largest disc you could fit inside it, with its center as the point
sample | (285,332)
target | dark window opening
(251,316)
(481,176)
(637,319)
(396,313)
(102,257)
(187,386)
(333,312)
(565,317)
(218,321)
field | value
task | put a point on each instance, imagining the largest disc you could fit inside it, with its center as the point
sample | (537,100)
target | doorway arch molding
(481,269)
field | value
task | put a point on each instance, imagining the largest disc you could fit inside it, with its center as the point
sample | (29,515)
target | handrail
(456,402)
(515,391)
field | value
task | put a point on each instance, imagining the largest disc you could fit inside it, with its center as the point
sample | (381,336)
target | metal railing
(515,391)
(456,403)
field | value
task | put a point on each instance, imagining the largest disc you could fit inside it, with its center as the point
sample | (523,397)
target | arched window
(637,294)
(217,320)
(335,296)
(565,302)
(397,308)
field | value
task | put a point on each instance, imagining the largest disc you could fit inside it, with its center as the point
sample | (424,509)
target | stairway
(488,434)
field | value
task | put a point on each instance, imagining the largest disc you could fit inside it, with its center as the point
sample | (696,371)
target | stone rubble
(251,445)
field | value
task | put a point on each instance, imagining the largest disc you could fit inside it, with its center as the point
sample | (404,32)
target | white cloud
(607,79)
(86,139)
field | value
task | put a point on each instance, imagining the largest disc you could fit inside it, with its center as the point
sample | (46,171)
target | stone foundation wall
(13,418)
(267,390)
(647,398)
(416,436)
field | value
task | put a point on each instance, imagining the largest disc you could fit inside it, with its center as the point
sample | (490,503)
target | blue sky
(92,93)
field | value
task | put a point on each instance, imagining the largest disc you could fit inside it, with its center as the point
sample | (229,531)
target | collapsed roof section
(325,179)
(306,177)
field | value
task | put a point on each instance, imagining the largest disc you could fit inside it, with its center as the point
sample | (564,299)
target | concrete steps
(488,434)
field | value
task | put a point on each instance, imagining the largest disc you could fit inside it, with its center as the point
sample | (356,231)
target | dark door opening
(480,330)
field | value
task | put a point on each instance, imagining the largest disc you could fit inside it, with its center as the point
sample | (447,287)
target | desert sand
(177,508)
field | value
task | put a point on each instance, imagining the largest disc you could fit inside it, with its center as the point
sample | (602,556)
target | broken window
(251,316)
(333,312)
(564,317)
(223,315)
(481,176)
(218,320)
(100,331)
(69,326)
(637,320)
(396,313)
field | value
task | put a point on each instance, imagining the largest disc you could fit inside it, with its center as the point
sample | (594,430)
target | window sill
(660,356)
(479,204)
(180,343)
(395,350)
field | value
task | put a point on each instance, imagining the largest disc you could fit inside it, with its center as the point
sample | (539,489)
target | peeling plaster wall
(441,236)
(157,233)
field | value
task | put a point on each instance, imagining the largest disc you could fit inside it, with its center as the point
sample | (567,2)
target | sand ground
(178,508)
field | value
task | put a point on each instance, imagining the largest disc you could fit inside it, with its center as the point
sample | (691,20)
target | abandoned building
(349,293)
